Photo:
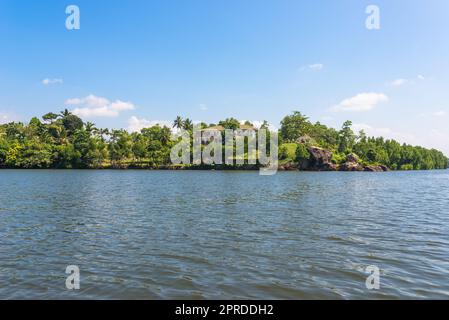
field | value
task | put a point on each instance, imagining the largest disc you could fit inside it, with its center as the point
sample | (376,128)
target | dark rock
(305,140)
(351,166)
(380,168)
(320,159)
(352,163)
(373,169)
(352,157)
(288,167)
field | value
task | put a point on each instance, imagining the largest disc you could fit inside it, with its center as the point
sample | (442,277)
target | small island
(65,141)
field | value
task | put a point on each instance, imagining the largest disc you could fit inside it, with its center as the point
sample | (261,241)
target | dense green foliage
(65,141)
(296,128)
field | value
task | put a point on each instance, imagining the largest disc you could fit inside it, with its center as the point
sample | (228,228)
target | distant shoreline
(65,141)
(199,168)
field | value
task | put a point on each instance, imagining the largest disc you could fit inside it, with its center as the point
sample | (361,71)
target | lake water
(223,235)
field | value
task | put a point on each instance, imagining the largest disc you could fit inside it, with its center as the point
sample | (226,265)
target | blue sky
(134,62)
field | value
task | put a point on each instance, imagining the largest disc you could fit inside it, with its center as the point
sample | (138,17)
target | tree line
(65,141)
(296,128)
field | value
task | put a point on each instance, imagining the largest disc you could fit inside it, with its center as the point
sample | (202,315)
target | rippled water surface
(210,234)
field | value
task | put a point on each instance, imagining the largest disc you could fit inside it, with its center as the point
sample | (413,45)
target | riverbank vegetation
(64,141)
(344,142)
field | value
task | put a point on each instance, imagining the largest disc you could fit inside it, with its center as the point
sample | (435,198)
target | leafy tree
(302,154)
(50,117)
(346,138)
(295,126)
(72,123)
(230,123)
(283,152)
(64,141)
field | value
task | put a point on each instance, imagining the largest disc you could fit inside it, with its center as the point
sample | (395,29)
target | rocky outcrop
(352,157)
(352,163)
(351,166)
(306,140)
(320,159)
(379,168)
(288,167)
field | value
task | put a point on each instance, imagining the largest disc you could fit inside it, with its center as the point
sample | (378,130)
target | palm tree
(102,133)
(90,127)
(178,123)
(188,124)
(65,113)
(264,125)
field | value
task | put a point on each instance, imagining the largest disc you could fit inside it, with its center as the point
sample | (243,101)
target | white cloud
(93,106)
(257,124)
(431,138)
(316,66)
(327,118)
(398,82)
(361,102)
(4,118)
(401,81)
(436,139)
(313,67)
(95,112)
(47,81)
(73,101)
(385,132)
(203,107)
(440,113)
(122,106)
(135,124)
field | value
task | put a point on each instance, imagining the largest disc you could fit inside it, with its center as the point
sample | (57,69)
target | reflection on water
(158,234)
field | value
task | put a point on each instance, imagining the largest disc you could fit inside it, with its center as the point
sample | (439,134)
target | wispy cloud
(7,117)
(385,132)
(48,81)
(440,113)
(430,139)
(313,67)
(203,107)
(403,81)
(436,114)
(316,66)
(257,124)
(360,102)
(4,118)
(398,82)
(93,106)
(136,124)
